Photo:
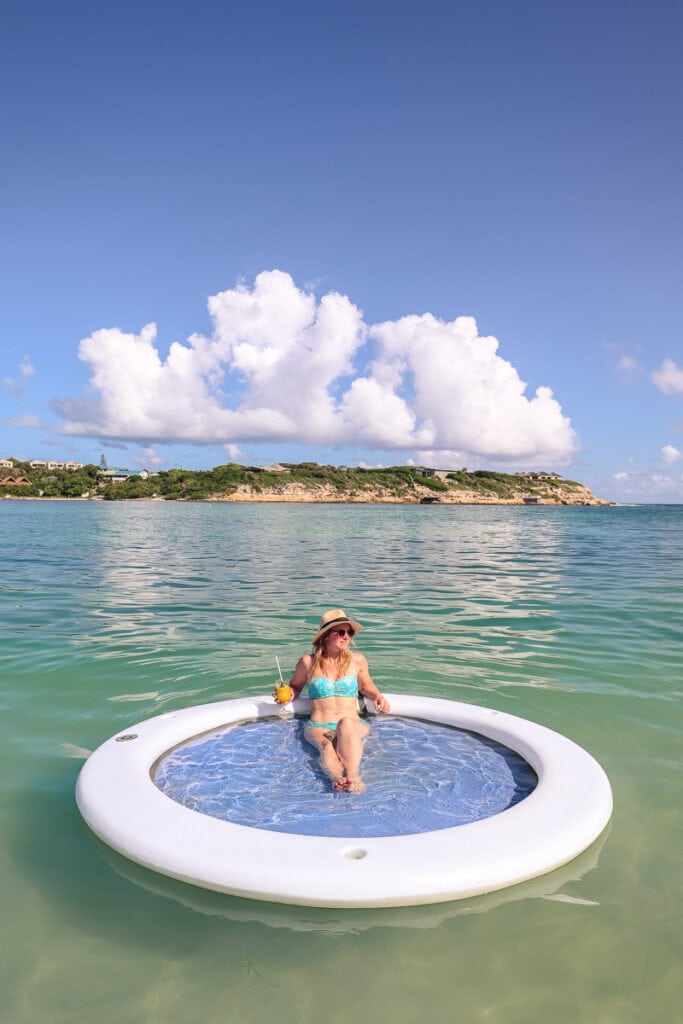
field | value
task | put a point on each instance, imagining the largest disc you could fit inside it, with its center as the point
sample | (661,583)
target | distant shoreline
(278,500)
(307,482)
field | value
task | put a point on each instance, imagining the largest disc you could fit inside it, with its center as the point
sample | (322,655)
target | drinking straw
(278,668)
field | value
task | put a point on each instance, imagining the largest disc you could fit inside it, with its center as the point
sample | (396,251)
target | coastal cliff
(577,495)
(457,488)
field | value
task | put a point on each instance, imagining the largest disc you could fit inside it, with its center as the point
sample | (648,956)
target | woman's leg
(349,745)
(329,761)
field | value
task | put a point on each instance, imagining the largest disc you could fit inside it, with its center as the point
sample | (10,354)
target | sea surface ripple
(113,612)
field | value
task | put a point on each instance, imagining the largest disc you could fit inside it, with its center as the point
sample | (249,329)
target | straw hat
(329,620)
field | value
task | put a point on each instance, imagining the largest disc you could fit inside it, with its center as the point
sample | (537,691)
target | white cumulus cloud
(670,454)
(669,378)
(281,366)
(234,451)
(467,398)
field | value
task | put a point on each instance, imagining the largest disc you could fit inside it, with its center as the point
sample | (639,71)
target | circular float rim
(566,812)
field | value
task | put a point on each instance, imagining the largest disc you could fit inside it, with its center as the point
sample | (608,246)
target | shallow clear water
(111,613)
(420,777)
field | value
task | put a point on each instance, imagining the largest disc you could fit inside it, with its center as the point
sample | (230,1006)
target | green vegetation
(52,483)
(404,483)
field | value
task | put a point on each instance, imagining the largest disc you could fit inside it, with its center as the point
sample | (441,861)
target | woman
(335,676)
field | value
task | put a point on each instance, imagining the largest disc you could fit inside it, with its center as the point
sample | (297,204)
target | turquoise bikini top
(319,687)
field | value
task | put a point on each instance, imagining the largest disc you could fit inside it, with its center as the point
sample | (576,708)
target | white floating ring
(565,813)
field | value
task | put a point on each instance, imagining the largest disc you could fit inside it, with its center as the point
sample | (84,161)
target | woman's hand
(382,704)
(285,693)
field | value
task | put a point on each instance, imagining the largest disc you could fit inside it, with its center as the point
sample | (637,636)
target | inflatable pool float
(563,815)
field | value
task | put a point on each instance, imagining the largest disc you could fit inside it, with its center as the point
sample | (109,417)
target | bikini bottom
(330,726)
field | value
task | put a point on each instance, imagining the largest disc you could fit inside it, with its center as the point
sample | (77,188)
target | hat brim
(356,626)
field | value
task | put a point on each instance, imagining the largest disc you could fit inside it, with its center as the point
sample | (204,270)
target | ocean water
(111,613)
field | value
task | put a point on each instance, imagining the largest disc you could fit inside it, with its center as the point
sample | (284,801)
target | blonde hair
(318,661)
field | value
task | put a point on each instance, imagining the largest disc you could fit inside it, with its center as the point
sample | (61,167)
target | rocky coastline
(576,495)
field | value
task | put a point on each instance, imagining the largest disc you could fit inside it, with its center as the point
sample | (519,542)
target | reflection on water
(185,582)
(342,921)
(111,613)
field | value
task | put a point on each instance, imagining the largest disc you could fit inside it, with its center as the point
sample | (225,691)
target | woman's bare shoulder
(358,660)
(301,671)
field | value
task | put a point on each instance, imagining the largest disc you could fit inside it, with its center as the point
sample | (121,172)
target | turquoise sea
(115,612)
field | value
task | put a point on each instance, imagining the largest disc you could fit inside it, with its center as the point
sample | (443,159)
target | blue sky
(366,232)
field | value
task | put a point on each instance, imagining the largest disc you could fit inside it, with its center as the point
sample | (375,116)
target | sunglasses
(342,632)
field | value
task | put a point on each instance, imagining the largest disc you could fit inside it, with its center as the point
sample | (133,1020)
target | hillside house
(119,476)
(15,481)
(540,475)
(438,474)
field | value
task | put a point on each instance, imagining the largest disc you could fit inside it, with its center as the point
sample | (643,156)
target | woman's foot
(351,785)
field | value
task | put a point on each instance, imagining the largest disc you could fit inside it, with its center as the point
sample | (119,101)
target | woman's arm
(367,688)
(298,680)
